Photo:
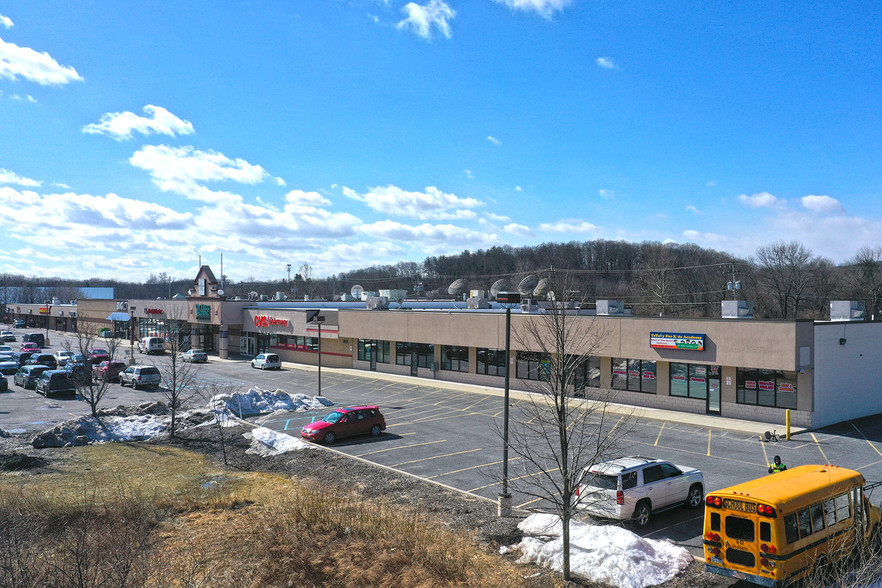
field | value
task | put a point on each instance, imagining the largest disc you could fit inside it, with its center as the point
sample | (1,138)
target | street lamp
(319,319)
(509,299)
(48,314)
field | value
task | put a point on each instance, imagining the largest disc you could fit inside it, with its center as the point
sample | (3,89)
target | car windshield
(333,417)
(99,351)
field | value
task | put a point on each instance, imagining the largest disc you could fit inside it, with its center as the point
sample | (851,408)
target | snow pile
(115,424)
(266,442)
(257,401)
(606,554)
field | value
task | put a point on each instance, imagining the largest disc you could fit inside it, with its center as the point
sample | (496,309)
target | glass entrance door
(713,396)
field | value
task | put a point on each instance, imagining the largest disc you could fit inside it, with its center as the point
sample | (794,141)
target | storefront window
(454,358)
(636,375)
(766,388)
(372,347)
(620,374)
(531,365)
(404,353)
(491,361)
(691,380)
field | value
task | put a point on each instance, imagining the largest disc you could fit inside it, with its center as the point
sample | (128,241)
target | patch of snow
(606,554)
(266,442)
(257,401)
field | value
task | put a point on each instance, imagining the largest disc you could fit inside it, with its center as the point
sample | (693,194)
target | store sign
(44,310)
(153,310)
(268,321)
(786,387)
(689,341)
(203,311)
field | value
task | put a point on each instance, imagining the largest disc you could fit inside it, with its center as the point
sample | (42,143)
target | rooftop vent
(377,303)
(737,309)
(610,307)
(848,310)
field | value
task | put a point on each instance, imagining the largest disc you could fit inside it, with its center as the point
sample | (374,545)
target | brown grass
(133,515)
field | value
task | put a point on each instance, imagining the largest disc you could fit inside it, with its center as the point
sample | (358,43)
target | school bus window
(715,521)
(791,531)
(765,531)
(817,518)
(805,523)
(829,512)
(843,511)
(738,528)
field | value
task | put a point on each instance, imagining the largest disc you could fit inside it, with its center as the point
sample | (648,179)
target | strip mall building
(823,371)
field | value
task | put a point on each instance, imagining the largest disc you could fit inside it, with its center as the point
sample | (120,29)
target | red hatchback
(346,422)
(109,370)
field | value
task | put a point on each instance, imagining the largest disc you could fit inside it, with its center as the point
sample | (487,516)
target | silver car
(267,361)
(138,376)
(635,487)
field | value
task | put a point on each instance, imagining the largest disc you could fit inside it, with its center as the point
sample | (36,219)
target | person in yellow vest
(776,467)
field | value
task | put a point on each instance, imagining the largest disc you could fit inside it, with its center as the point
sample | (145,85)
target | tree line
(784,280)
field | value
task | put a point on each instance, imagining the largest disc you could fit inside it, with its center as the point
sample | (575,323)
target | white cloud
(498,217)
(607,63)
(426,232)
(25,98)
(823,204)
(518,189)
(606,194)
(8,177)
(182,170)
(693,209)
(121,125)
(22,62)
(422,18)
(494,140)
(5,21)
(519,230)
(433,204)
(307,198)
(544,8)
(569,226)
(468,173)
(761,200)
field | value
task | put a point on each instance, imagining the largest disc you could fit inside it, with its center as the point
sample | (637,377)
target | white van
(150,345)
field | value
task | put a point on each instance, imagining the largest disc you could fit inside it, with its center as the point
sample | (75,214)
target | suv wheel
(642,513)
(695,497)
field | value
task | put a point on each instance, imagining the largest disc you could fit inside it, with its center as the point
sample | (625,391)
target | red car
(97,355)
(109,370)
(346,422)
(29,347)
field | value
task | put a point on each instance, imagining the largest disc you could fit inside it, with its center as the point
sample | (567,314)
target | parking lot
(443,432)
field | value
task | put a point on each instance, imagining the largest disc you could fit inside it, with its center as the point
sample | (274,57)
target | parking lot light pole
(319,319)
(504,505)
(48,314)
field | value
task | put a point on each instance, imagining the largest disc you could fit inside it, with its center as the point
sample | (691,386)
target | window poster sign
(690,341)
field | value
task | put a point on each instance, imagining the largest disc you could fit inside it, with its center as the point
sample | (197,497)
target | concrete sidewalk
(697,420)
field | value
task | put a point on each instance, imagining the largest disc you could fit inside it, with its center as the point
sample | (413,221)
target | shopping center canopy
(119,316)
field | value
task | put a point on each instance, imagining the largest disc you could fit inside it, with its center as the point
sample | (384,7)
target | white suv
(635,487)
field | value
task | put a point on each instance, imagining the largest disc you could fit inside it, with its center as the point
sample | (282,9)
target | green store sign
(203,312)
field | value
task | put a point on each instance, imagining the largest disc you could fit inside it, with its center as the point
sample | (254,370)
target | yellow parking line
(401,447)
(659,433)
(483,465)
(529,502)
(865,439)
(765,454)
(708,442)
(513,479)
(824,455)
(434,457)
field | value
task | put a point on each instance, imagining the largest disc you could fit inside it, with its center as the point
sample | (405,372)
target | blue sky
(349,133)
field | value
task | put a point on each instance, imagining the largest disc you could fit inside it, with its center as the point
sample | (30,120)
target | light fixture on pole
(509,299)
(315,317)
(48,314)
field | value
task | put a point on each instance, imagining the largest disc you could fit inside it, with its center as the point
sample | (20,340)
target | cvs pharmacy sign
(268,321)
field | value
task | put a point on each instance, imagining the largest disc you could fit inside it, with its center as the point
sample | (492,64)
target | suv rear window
(149,371)
(604,481)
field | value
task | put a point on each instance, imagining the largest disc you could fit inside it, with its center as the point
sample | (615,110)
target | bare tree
(179,377)
(864,278)
(656,277)
(554,435)
(85,340)
(788,272)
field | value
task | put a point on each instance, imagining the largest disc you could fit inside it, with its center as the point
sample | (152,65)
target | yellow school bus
(778,528)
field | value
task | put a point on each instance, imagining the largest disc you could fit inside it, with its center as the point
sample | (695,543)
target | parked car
(195,356)
(7,336)
(636,487)
(34,338)
(18,324)
(80,373)
(108,370)
(8,367)
(98,355)
(29,346)
(46,359)
(6,351)
(26,376)
(22,357)
(140,375)
(55,383)
(4,384)
(62,357)
(346,422)
(267,361)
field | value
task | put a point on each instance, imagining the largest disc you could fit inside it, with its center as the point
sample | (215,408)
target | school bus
(779,528)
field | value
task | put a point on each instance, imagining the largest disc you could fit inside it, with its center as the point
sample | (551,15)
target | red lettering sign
(750,384)
(786,387)
(268,321)
(153,310)
(766,385)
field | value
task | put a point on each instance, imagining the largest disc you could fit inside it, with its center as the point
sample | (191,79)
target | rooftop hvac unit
(529,306)
(610,307)
(377,303)
(477,302)
(394,295)
(280,296)
(737,309)
(848,310)
(477,294)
